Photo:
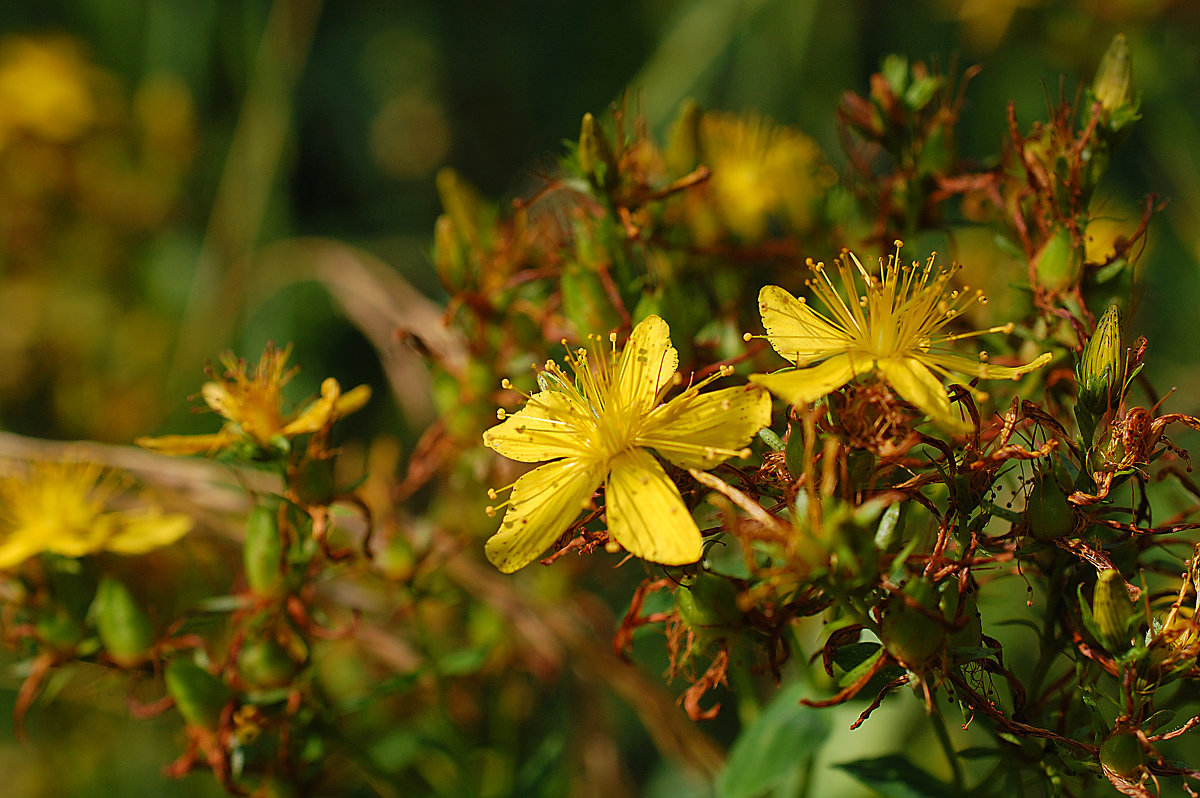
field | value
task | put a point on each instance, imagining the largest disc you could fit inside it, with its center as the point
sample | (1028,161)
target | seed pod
(265,664)
(709,601)
(911,636)
(200,696)
(1122,753)
(1047,511)
(262,551)
(1059,262)
(123,626)
(1112,611)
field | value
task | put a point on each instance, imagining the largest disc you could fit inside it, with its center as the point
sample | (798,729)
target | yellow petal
(351,401)
(700,430)
(19,548)
(801,386)
(318,414)
(647,364)
(136,533)
(796,331)
(186,444)
(542,505)
(218,397)
(961,364)
(916,384)
(646,514)
(546,428)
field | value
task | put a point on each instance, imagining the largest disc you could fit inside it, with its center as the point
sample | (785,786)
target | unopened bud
(199,696)
(462,203)
(262,550)
(595,154)
(1101,369)
(123,626)
(1114,77)
(1112,611)
(683,150)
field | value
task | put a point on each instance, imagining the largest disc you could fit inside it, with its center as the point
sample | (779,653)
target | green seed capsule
(262,551)
(1059,262)
(199,696)
(1122,753)
(1049,514)
(911,636)
(265,664)
(709,601)
(123,626)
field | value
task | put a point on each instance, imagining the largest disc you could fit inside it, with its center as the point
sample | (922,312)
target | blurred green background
(176,177)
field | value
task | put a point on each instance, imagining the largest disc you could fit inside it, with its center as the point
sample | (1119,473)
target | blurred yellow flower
(761,172)
(894,328)
(596,425)
(44,89)
(62,508)
(252,404)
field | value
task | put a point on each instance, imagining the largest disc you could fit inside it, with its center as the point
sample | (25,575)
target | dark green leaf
(893,776)
(784,737)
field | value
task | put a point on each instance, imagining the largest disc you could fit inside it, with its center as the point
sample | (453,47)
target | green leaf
(784,737)
(893,776)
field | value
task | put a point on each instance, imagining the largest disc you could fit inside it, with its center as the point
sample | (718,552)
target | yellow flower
(596,426)
(894,329)
(61,508)
(252,404)
(45,88)
(760,171)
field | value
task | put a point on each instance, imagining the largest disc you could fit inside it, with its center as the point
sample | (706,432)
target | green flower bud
(1101,370)
(594,153)
(199,696)
(911,636)
(1114,77)
(123,626)
(462,203)
(448,256)
(683,150)
(1112,612)
(60,630)
(262,551)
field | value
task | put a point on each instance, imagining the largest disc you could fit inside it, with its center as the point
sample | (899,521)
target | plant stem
(939,730)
